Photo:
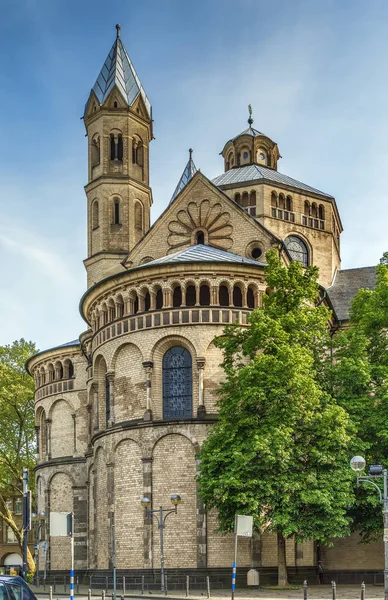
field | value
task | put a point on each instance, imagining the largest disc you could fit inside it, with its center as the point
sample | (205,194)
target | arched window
(177,296)
(274,199)
(245,199)
(281,201)
(139,218)
(252,200)
(223,295)
(137,152)
(70,369)
(237,296)
(119,308)
(95,215)
(58,371)
(116,212)
(95,151)
(120,147)
(322,212)
(159,299)
(200,237)
(297,249)
(191,295)
(112,147)
(136,305)
(288,203)
(237,198)
(147,301)
(306,208)
(50,370)
(314,211)
(204,295)
(177,384)
(250,298)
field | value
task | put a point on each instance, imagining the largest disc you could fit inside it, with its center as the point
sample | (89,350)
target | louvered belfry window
(177,384)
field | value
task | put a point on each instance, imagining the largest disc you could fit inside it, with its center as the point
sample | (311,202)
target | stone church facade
(122,412)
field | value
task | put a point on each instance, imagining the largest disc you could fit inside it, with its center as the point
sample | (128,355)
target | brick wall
(350,553)
(129,385)
(101,523)
(61,500)
(62,430)
(220,547)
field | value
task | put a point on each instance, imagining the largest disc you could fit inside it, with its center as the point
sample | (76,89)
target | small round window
(245,155)
(256,253)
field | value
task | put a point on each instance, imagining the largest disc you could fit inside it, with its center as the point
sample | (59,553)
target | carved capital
(201,362)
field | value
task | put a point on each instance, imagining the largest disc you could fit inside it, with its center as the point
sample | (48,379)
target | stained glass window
(297,249)
(177,384)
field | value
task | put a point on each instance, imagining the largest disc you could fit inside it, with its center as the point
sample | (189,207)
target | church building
(121,412)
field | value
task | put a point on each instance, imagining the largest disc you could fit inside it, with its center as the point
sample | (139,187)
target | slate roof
(250,131)
(345,287)
(188,173)
(119,71)
(203,253)
(255,172)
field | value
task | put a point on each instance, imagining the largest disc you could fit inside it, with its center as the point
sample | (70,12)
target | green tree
(279,450)
(358,377)
(17,447)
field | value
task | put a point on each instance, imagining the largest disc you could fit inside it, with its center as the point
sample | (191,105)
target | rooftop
(188,173)
(257,172)
(119,71)
(203,253)
(345,287)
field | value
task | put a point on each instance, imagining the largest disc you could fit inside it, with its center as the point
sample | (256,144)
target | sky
(314,71)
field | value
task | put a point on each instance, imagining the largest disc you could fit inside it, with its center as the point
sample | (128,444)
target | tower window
(112,147)
(95,151)
(120,147)
(177,296)
(115,104)
(116,212)
(95,215)
(297,249)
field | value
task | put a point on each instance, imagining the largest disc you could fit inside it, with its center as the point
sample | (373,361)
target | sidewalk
(316,592)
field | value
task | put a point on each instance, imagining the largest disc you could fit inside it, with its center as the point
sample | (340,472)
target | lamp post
(161,514)
(358,464)
(39,521)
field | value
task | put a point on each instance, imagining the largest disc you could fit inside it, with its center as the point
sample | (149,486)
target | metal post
(385,520)
(51,592)
(77,584)
(114,562)
(103,595)
(363,591)
(187,585)
(208,586)
(64,584)
(106,583)
(123,586)
(72,558)
(54,586)
(305,589)
(334,589)
(165,584)
(234,569)
(161,527)
(89,594)
(142,584)
(25,521)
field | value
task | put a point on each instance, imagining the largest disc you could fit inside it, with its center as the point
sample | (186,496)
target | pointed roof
(188,173)
(119,71)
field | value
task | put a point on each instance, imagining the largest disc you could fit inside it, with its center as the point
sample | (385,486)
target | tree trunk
(282,567)
(30,562)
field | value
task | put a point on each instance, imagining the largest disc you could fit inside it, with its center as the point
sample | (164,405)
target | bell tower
(118,121)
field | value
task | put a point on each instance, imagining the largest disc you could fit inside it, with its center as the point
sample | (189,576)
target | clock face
(297,249)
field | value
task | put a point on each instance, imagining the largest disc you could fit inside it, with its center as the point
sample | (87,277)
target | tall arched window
(297,249)
(116,212)
(177,296)
(237,198)
(250,298)
(223,295)
(95,151)
(200,237)
(177,384)
(321,212)
(95,215)
(191,295)
(204,295)
(112,147)
(138,219)
(159,299)
(107,400)
(237,296)
(120,147)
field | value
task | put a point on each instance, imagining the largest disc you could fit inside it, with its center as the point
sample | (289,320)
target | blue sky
(315,72)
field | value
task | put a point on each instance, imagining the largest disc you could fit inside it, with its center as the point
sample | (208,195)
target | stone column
(197,291)
(214,295)
(152,301)
(90,429)
(48,438)
(96,408)
(148,382)
(201,407)
(201,529)
(110,375)
(37,436)
(74,434)
(147,529)
(167,298)
(141,302)
(244,297)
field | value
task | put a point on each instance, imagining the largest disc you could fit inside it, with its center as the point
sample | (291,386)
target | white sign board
(244,525)
(59,524)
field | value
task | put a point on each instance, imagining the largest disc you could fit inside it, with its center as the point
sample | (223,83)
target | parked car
(13,587)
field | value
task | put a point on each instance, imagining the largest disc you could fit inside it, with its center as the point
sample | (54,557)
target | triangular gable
(202,207)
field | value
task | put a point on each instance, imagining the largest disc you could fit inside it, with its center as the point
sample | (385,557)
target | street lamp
(358,464)
(161,514)
(39,521)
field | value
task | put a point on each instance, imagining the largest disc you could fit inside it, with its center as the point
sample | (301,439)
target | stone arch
(175,472)
(62,429)
(306,242)
(61,500)
(158,352)
(129,519)
(129,383)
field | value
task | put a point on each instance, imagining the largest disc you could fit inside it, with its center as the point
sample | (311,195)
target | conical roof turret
(119,71)
(188,173)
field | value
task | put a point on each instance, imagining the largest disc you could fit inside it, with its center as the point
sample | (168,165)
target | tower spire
(188,173)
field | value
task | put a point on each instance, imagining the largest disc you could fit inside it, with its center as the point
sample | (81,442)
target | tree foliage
(358,377)
(280,448)
(17,447)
